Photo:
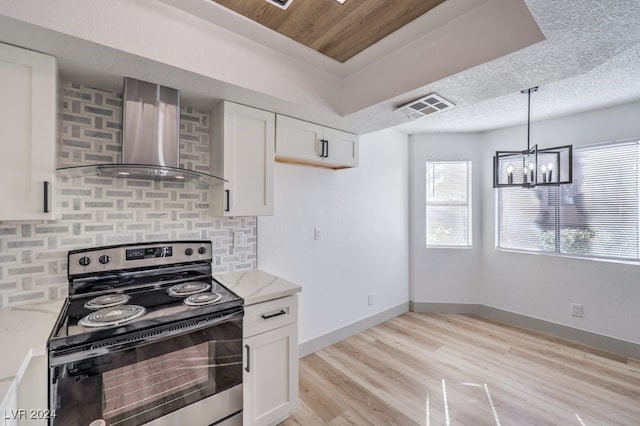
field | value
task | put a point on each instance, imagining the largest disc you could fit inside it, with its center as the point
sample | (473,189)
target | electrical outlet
(237,238)
(317,235)
(576,310)
(370,299)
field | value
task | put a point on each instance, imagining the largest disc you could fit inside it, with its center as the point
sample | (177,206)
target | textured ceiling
(590,58)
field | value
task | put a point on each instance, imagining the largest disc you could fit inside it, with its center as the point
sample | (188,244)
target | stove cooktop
(122,289)
(158,305)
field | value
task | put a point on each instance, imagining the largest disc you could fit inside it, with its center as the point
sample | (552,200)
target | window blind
(448,199)
(597,216)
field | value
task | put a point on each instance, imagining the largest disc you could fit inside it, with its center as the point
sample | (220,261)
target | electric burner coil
(114,315)
(201,299)
(107,301)
(187,289)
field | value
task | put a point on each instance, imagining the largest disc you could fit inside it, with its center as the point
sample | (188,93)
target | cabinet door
(298,141)
(243,144)
(28,83)
(270,376)
(32,393)
(342,148)
(11,413)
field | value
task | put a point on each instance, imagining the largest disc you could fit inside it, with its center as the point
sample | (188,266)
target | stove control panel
(143,255)
(149,252)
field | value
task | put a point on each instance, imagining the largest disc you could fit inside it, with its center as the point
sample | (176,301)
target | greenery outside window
(597,216)
(448,210)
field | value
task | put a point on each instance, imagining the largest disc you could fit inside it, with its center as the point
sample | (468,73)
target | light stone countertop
(256,286)
(24,331)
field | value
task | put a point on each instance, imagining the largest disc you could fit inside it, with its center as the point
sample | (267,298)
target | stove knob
(84,261)
(202,250)
(104,259)
(188,251)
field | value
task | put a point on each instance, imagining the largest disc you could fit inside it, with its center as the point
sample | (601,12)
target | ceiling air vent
(427,105)
(282,4)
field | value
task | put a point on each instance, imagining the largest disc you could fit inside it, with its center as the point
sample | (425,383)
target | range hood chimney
(150,138)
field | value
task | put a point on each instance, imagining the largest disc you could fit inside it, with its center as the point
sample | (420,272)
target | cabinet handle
(248,367)
(277,314)
(324,148)
(46,197)
(226,209)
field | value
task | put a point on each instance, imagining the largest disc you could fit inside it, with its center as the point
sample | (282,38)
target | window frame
(468,204)
(559,201)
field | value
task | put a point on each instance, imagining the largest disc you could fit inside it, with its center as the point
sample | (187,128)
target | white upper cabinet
(341,148)
(298,140)
(28,132)
(301,142)
(242,152)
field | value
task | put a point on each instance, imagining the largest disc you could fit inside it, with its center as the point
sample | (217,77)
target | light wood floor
(434,369)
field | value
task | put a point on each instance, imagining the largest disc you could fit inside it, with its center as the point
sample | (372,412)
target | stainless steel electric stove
(146,336)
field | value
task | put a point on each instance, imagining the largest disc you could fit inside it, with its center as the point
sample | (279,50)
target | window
(597,216)
(448,204)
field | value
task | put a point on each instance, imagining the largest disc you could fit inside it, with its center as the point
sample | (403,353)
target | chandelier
(533,166)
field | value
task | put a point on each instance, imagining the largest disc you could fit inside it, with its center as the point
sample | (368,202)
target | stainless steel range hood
(150,138)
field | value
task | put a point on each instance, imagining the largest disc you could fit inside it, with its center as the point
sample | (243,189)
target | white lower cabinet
(10,409)
(270,361)
(26,401)
(32,394)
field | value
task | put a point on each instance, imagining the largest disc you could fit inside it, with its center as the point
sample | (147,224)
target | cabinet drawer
(270,315)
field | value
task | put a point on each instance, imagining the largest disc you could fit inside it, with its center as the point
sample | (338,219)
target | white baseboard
(328,339)
(588,338)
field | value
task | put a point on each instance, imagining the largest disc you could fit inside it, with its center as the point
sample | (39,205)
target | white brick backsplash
(96,211)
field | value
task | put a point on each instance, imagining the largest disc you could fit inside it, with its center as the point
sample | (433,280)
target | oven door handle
(131,341)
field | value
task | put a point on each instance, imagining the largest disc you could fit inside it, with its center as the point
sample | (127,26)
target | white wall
(363,217)
(444,275)
(542,286)
(537,286)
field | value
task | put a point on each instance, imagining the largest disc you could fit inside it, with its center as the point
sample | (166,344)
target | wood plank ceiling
(339,31)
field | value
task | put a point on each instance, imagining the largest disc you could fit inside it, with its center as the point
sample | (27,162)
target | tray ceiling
(478,54)
(339,31)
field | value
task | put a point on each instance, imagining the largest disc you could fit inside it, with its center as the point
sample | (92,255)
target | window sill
(568,256)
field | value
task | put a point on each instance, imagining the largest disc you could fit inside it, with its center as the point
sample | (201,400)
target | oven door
(188,374)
